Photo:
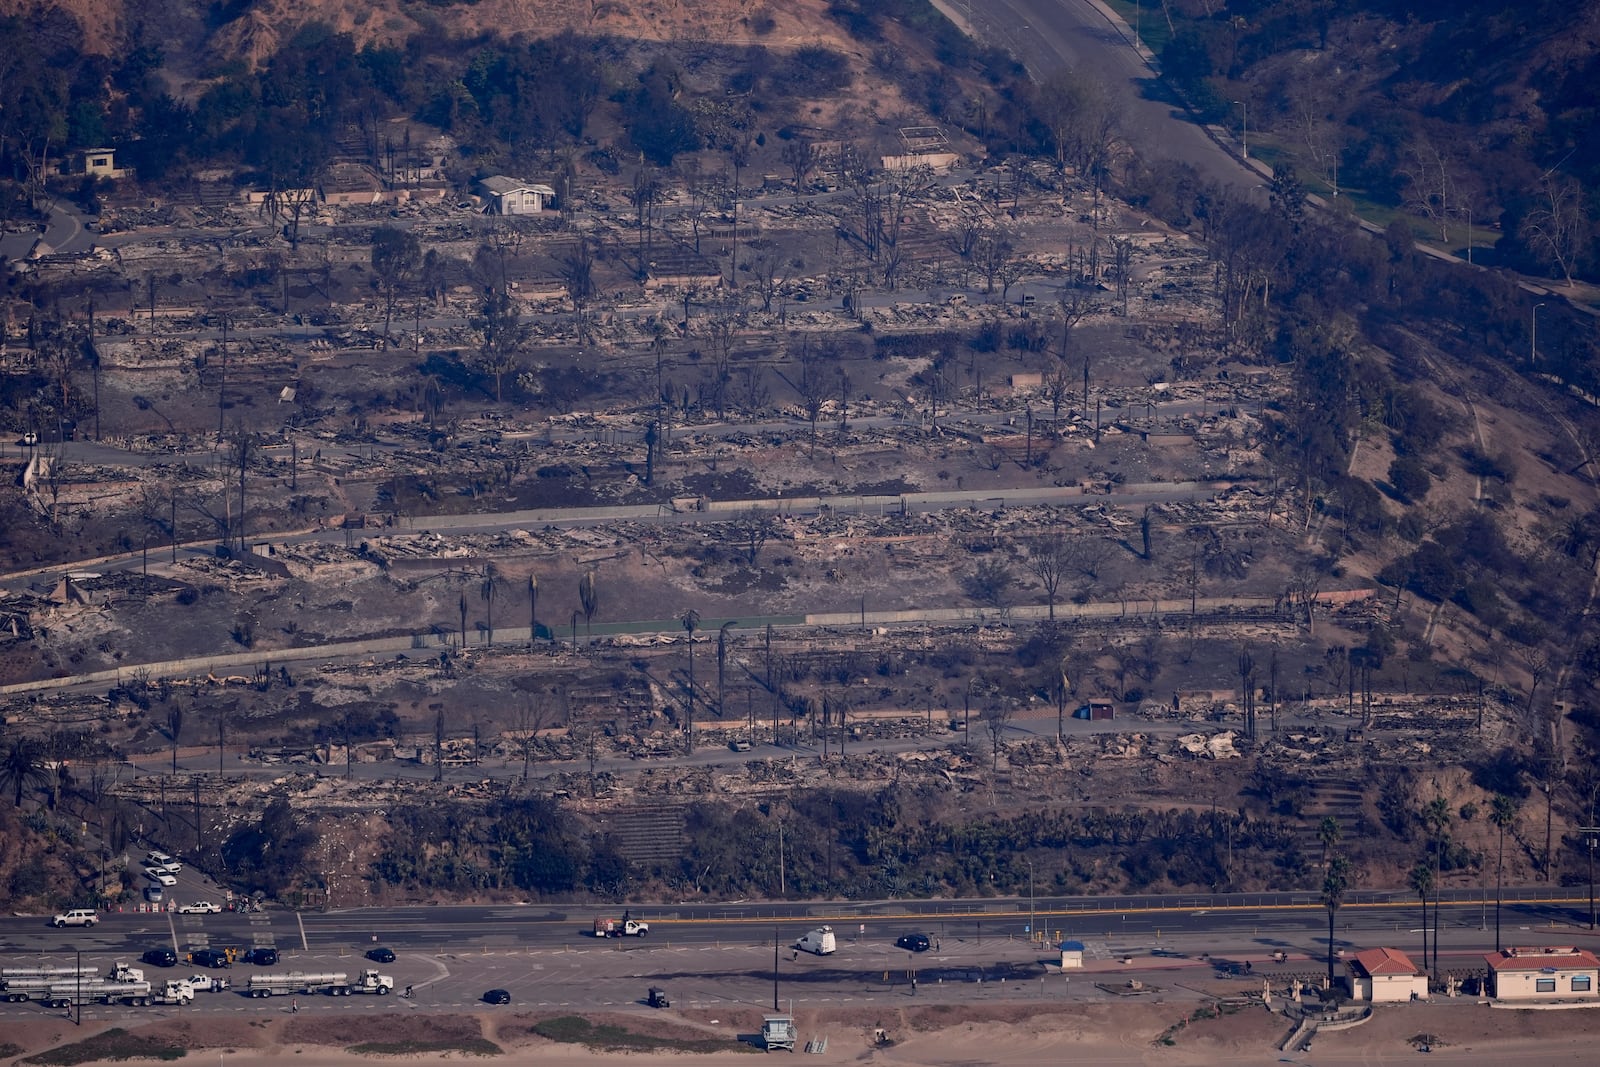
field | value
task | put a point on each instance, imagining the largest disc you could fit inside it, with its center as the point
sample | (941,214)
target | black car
(210,957)
(261,957)
(913,942)
(497,996)
(380,955)
(160,957)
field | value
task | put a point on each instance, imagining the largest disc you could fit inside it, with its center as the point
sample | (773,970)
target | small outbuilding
(1096,711)
(1560,973)
(1385,975)
(1071,955)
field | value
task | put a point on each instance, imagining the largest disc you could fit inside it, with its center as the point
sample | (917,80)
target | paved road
(64,232)
(721,955)
(1080,36)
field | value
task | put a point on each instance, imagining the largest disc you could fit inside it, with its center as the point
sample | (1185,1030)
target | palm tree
(1503,813)
(1334,885)
(1329,834)
(1422,885)
(22,766)
(1436,816)
(691,622)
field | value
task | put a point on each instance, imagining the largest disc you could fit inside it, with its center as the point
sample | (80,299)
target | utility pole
(1533,347)
(1591,837)
(1033,930)
(774,967)
(1245,138)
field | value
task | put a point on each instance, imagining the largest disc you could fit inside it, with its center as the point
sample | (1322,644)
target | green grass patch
(8,1050)
(1146,17)
(472,1046)
(114,1044)
(575,1030)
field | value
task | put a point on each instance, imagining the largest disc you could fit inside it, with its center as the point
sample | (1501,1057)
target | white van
(821,941)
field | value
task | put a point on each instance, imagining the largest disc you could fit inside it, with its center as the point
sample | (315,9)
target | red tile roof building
(1560,973)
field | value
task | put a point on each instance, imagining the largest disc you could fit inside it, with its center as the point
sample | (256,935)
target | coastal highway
(726,958)
(1228,922)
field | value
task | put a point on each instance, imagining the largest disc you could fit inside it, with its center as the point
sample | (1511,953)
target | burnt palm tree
(589,597)
(533,608)
(691,622)
(490,580)
(722,659)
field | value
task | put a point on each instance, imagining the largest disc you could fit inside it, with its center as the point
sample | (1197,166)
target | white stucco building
(1560,973)
(1385,975)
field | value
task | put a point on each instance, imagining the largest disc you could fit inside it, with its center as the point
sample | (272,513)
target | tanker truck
(333,983)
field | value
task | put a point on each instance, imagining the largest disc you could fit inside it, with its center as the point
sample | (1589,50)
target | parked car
(497,996)
(160,957)
(210,957)
(261,957)
(76,917)
(154,894)
(380,955)
(200,907)
(159,876)
(914,942)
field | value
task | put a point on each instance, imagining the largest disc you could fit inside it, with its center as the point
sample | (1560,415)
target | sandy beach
(931,1036)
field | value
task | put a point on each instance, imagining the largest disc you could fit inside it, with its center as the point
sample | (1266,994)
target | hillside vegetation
(1476,114)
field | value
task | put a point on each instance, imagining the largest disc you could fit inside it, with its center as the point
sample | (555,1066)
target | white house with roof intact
(513,196)
(1560,973)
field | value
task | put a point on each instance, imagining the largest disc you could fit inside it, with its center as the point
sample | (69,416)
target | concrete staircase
(648,836)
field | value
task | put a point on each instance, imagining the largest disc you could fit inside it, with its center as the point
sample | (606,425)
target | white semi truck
(8,973)
(17,988)
(109,991)
(333,983)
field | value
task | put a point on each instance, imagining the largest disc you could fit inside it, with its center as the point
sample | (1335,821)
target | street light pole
(1033,930)
(1245,138)
(1534,346)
